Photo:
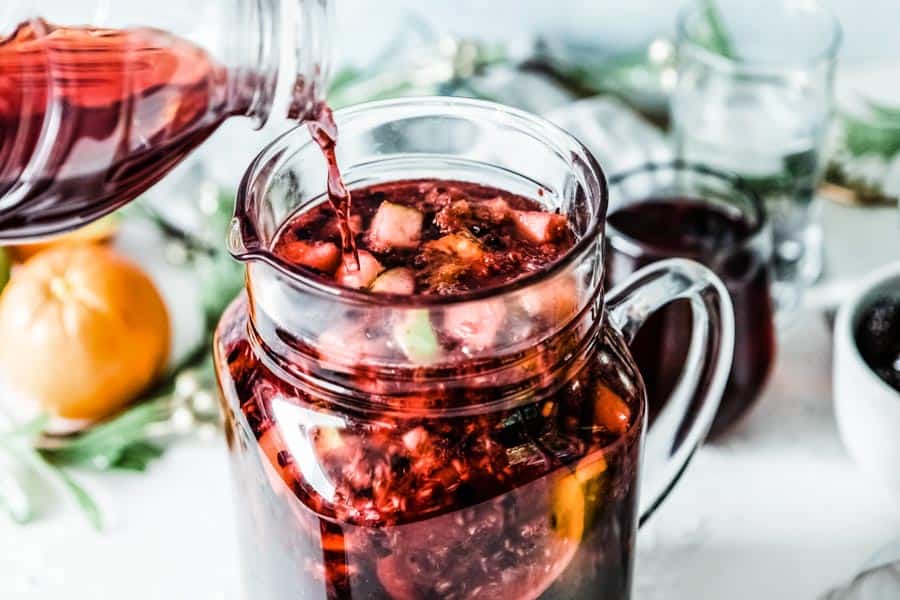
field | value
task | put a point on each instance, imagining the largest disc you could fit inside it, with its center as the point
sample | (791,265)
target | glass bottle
(93,114)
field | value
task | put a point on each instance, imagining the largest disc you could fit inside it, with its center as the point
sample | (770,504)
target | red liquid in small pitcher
(682,227)
(535,500)
(90,118)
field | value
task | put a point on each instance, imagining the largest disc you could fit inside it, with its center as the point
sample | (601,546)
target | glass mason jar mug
(507,471)
(99,100)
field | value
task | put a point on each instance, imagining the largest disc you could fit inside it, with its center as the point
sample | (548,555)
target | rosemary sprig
(14,495)
(878,133)
(716,39)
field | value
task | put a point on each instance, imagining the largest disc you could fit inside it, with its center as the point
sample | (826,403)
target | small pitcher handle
(667,449)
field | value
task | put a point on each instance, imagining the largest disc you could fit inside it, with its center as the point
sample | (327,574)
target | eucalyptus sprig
(862,166)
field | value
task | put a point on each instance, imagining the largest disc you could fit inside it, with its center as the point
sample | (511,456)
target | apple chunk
(538,226)
(475,324)
(349,276)
(395,226)
(400,280)
(555,300)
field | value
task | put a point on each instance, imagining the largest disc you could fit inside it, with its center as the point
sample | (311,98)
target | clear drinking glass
(754,97)
(678,210)
(364,470)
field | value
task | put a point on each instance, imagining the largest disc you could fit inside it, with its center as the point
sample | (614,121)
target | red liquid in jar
(683,227)
(529,501)
(90,118)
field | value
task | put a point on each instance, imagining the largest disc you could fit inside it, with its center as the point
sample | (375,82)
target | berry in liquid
(690,228)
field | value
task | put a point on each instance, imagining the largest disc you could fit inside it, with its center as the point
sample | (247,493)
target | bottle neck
(280,65)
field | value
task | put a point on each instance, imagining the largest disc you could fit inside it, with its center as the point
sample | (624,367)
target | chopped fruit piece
(321,256)
(611,411)
(445,260)
(395,226)
(538,226)
(416,337)
(496,210)
(348,345)
(461,245)
(327,439)
(568,508)
(463,215)
(475,324)
(395,281)
(414,438)
(369,268)
(555,300)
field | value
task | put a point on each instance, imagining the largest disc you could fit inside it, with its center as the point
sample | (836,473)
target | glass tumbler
(660,211)
(512,470)
(754,97)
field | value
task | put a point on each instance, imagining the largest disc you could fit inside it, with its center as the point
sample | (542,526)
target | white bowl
(867,409)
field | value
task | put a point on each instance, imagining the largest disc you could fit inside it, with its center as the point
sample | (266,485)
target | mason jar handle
(667,448)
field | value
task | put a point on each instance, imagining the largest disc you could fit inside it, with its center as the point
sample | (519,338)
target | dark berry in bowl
(878,338)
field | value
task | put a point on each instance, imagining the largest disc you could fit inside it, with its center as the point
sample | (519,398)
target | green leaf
(104,445)
(717,39)
(342,79)
(49,472)
(29,429)
(883,111)
(866,137)
(14,497)
(83,499)
(137,456)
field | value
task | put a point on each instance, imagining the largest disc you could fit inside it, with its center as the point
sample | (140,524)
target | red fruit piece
(475,324)
(395,281)
(538,226)
(395,226)
(321,256)
(369,268)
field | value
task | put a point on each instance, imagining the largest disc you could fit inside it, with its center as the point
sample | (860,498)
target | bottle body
(92,116)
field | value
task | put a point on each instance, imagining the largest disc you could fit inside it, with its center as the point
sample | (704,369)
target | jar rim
(246,245)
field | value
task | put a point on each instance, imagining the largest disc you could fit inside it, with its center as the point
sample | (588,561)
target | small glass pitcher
(362,471)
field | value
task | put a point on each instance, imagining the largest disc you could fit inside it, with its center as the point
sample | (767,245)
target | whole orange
(82,331)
